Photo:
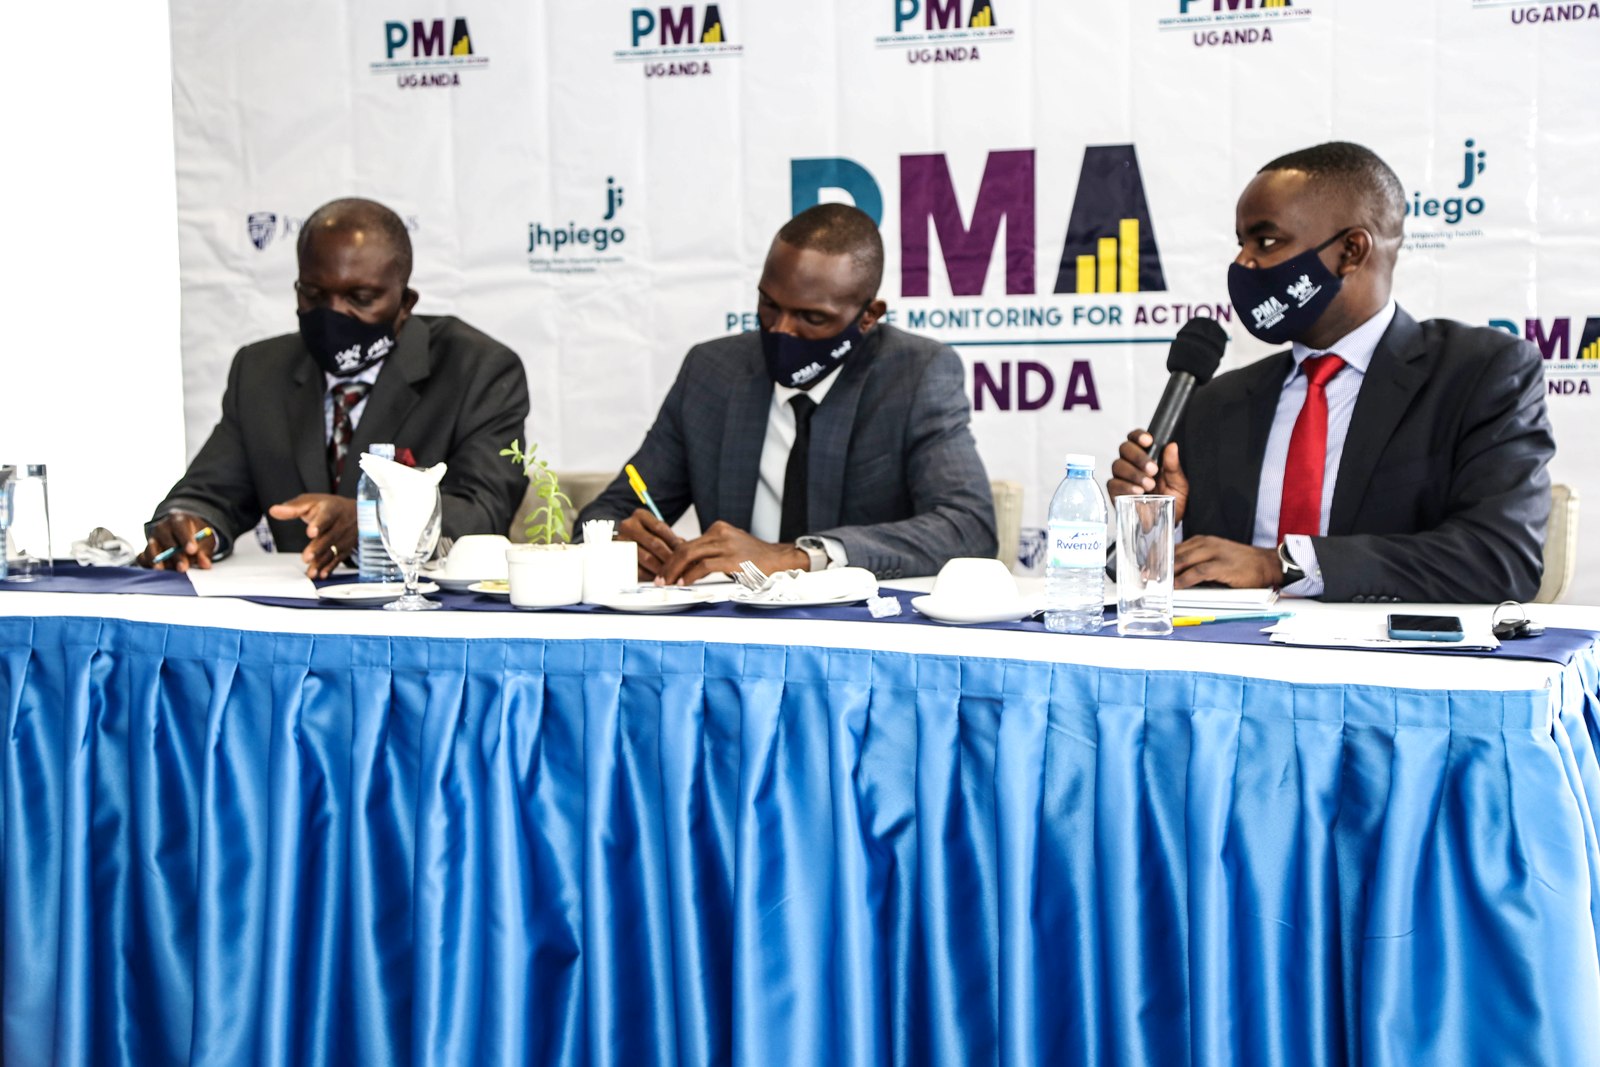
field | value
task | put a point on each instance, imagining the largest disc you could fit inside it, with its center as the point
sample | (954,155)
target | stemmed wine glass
(409,545)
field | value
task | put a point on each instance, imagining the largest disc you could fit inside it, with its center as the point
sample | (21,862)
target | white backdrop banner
(596,184)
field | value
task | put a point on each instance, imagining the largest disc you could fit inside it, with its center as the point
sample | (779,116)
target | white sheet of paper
(1187,600)
(277,575)
(1351,631)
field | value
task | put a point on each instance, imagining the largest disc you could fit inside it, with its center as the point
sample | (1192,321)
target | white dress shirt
(1356,349)
(766,514)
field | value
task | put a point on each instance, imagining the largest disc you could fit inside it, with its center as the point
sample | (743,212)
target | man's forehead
(1289,198)
(836,274)
(352,247)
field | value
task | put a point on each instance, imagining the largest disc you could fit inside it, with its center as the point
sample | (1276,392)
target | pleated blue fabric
(248,848)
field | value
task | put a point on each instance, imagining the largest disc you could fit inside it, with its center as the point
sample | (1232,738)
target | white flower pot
(545,576)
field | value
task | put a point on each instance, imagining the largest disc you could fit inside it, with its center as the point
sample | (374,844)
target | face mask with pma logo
(342,345)
(1281,303)
(799,363)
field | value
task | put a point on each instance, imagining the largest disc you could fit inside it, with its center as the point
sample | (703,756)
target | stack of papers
(279,575)
(1190,600)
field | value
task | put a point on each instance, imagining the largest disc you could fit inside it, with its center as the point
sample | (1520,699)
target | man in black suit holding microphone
(1379,459)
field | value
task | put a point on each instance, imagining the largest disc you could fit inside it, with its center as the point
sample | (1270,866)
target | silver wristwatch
(812,547)
(1291,570)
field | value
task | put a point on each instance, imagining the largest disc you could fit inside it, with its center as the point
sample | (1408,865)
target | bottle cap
(1080,459)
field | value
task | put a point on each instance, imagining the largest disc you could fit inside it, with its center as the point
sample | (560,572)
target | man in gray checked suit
(826,438)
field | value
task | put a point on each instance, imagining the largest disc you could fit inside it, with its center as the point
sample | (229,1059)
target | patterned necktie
(796,474)
(346,395)
(1301,509)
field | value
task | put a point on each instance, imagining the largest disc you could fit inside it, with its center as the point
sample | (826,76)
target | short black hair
(839,229)
(1357,172)
(354,213)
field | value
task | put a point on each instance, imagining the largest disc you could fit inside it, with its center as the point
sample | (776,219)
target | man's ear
(1354,251)
(870,316)
(408,300)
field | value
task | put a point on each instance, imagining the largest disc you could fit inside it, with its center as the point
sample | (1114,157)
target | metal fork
(753,578)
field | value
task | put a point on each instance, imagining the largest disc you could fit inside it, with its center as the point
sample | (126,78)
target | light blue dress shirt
(1356,349)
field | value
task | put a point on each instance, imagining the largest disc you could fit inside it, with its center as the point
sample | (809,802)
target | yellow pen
(638,487)
(1198,620)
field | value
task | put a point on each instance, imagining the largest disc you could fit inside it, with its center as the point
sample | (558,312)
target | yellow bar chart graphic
(1590,350)
(983,18)
(1115,266)
(1274,3)
(713,34)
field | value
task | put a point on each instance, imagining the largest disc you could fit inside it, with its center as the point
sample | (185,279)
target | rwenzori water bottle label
(1077,544)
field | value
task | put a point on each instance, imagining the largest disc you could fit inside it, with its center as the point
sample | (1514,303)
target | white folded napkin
(791,587)
(102,548)
(409,495)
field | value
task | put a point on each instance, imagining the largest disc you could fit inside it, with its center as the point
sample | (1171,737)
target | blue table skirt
(240,848)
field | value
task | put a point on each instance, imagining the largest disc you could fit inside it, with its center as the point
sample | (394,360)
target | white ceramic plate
(371,592)
(926,605)
(499,588)
(657,601)
(821,602)
(462,585)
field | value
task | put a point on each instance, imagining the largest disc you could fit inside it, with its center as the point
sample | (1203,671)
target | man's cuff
(1304,554)
(827,550)
(224,543)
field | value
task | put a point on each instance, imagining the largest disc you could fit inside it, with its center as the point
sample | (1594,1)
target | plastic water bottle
(1074,593)
(371,557)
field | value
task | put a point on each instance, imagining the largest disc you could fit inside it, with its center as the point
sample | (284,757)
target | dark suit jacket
(1442,493)
(894,472)
(447,392)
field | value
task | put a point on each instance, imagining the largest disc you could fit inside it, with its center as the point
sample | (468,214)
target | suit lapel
(305,416)
(1397,371)
(831,427)
(393,395)
(744,431)
(1240,455)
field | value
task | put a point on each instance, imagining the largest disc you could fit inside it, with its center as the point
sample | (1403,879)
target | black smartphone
(1425,628)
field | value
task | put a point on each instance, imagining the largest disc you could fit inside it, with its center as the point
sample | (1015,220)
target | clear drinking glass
(410,541)
(1144,565)
(27,522)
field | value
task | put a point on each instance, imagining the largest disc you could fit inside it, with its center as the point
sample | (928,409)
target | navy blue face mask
(342,345)
(1278,304)
(800,363)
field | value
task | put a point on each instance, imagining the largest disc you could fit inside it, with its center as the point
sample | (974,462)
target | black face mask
(800,363)
(342,345)
(1278,304)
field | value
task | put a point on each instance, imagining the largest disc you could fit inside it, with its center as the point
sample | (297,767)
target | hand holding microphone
(1192,360)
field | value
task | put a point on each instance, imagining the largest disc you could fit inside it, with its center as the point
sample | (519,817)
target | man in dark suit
(300,409)
(1380,459)
(825,438)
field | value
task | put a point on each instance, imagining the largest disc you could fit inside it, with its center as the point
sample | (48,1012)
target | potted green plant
(546,572)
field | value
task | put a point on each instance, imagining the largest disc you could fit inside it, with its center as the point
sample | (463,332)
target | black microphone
(1192,359)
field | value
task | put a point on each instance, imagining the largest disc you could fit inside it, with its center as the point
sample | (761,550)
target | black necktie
(793,523)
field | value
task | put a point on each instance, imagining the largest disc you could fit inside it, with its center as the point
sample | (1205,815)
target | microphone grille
(1197,349)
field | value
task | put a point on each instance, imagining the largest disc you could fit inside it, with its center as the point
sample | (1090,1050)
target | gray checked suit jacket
(894,472)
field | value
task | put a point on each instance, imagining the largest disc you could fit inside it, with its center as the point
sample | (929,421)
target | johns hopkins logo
(1435,219)
(266,226)
(1233,22)
(677,42)
(262,225)
(943,31)
(421,55)
(575,249)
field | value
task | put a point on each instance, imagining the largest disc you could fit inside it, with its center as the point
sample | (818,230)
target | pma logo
(1197,14)
(420,54)
(943,31)
(677,41)
(1110,244)
(1568,368)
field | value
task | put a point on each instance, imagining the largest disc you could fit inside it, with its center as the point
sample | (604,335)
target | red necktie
(1301,509)
(346,395)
